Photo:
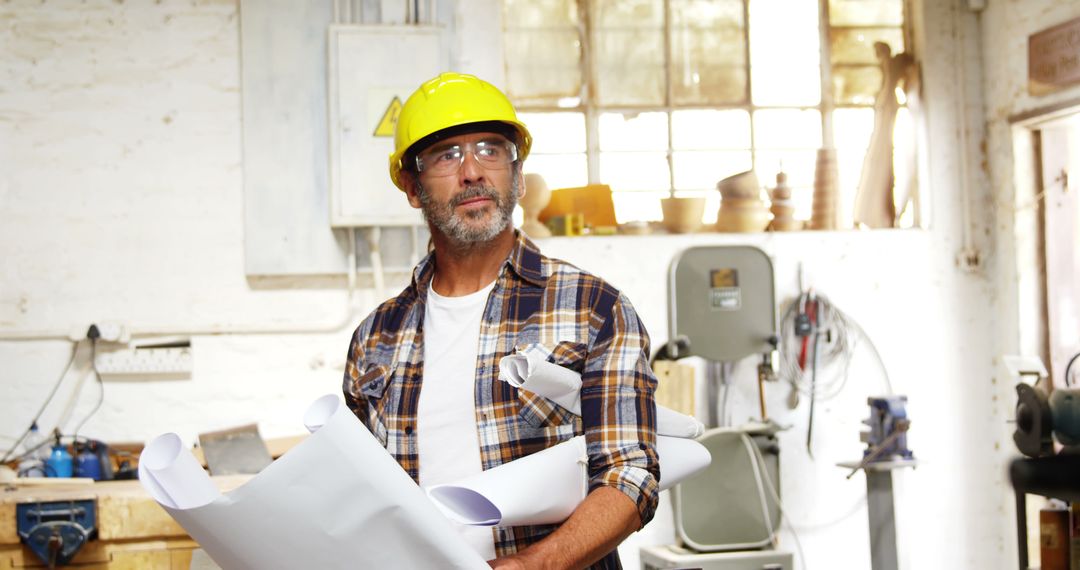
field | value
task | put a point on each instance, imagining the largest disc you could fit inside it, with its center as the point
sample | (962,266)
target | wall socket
(146,363)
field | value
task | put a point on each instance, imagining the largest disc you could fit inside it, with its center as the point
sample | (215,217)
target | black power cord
(93,334)
(52,394)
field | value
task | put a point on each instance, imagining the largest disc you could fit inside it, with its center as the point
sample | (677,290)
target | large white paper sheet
(336,500)
(530,371)
(546,487)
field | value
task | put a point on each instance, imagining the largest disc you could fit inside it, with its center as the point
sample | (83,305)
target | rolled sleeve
(618,409)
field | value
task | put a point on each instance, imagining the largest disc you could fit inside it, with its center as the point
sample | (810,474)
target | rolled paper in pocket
(532,372)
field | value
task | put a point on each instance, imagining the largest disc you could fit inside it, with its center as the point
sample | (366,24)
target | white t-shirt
(446,437)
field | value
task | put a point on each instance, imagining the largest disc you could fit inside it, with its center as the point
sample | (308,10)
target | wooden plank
(127,517)
(139,560)
(8,532)
(101,555)
(124,509)
(675,386)
(180,559)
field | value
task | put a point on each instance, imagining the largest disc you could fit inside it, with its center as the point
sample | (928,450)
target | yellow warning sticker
(389,119)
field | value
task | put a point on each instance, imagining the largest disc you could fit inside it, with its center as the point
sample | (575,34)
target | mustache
(473,192)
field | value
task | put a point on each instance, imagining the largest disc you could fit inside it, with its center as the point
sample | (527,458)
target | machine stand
(879,504)
(881,509)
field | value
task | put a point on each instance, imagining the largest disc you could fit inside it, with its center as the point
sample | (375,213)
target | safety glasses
(445,160)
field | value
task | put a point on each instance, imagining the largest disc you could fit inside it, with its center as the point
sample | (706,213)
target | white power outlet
(113,332)
(150,363)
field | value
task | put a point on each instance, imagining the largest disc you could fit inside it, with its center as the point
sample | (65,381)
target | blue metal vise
(887,438)
(55,531)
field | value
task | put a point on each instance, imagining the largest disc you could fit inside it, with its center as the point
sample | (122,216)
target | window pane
(634,170)
(785,52)
(856,45)
(555,132)
(628,13)
(787,128)
(539,13)
(708,52)
(643,131)
(559,170)
(856,85)
(708,129)
(798,164)
(849,162)
(702,170)
(629,67)
(866,12)
(707,14)
(635,206)
(543,66)
(709,85)
(852,128)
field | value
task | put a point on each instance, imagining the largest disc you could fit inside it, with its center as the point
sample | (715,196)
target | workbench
(133,531)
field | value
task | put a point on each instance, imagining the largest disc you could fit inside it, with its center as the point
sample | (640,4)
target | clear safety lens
(446,160)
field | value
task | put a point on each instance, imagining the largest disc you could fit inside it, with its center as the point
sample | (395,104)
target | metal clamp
(55,531)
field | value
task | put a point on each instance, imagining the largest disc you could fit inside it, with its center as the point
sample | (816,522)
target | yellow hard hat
(451,100)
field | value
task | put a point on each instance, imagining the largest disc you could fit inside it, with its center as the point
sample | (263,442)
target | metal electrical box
(372,70)
(722,300)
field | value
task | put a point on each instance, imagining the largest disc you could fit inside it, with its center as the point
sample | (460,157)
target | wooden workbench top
(124,509)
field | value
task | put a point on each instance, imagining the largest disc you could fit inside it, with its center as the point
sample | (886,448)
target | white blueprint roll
(541,488)
(336,500)
(546,487)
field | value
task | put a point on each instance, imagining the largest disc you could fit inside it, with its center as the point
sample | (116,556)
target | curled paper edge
(172,475)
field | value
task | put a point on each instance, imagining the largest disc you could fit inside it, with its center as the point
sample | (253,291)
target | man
(484,292)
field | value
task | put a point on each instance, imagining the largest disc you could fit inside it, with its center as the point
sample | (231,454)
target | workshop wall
(121,200)
(1006,27)
(1008,159)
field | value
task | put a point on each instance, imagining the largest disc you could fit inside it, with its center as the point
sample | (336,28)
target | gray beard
(456,228)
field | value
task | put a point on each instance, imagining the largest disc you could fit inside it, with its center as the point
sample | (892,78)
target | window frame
(591,110)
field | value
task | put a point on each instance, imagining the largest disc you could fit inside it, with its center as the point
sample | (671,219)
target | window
(668,97)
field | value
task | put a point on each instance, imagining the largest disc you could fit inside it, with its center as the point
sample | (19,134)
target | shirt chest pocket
(542,408)
(374,380)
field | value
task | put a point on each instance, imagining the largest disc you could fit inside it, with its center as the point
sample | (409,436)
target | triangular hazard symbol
(389,119)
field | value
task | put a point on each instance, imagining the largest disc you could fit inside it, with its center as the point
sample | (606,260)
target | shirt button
(408,430)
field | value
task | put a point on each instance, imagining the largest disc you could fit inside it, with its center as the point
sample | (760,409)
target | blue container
(88,464)
(59,463)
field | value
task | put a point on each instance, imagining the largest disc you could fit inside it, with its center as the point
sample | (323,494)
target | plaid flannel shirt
(578,321)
